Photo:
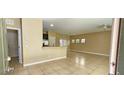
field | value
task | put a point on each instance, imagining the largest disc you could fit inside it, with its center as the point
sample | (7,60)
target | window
(77,41)
(83,41)
(73,41)
(63,42)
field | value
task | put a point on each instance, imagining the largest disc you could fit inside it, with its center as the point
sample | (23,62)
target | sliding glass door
(121,49)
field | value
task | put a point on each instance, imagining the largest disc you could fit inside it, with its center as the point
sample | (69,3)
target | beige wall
(58,36)
(97,42)
(17,22)
(33,51)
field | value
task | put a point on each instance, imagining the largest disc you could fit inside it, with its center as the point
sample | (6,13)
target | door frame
(114,46)
(2,46)
(19,42)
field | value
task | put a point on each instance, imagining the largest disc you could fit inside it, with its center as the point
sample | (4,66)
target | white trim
(39,62)
(114,45)
(13,28)
(19,41)
(90,53)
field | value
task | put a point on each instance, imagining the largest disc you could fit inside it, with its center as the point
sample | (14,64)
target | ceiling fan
(104,26)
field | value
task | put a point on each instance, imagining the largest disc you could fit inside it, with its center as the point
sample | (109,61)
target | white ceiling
(75,25)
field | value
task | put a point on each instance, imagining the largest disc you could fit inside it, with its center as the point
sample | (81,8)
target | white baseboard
(90,53)
(44,61)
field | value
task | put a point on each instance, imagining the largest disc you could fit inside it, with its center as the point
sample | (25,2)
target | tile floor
(75,64)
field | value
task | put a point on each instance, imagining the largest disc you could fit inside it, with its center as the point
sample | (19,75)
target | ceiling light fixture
(51,25)
(105,26)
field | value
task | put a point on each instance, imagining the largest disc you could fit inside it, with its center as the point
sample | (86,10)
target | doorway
(14,44)
(120,53)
